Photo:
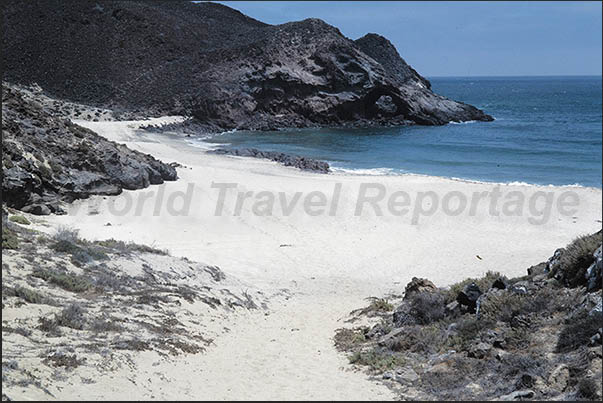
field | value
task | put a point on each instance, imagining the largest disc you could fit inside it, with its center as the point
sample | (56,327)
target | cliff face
(225,69)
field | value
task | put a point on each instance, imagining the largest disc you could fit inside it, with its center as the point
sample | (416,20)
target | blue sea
(547,131)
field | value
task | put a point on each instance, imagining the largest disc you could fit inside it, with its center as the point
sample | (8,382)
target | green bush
(378,361)
(345,339)
(29,295)
(19,219)
(66,281)
(381,305)
(10,240)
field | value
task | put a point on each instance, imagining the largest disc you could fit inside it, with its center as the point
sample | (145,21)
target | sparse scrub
(67,361)
(130,247)
(66,234)
(104,325)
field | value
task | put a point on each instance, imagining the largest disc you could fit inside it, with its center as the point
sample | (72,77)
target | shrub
(59,359)
(73,316)
(346,339)
(10,240)
(577,331)
(67,281)
(576,258)
(381,305)
(19,219)
(587,389)
(49,325)
(66,234)
(466,331)
(29,295)
(420,339)
(377,360)
(428,307)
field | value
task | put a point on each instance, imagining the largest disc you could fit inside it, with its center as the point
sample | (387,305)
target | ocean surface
(547,131)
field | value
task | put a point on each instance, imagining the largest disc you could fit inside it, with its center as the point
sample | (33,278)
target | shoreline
(199,143)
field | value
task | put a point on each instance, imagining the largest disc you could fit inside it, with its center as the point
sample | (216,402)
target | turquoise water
(547,131)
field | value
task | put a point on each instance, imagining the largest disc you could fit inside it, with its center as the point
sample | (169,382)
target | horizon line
(514,75)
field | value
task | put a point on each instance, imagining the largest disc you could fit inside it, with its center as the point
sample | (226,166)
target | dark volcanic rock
(469,296)
(303,163)
(47,158)
(209,61)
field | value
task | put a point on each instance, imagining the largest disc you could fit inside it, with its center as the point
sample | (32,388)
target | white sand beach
(327,263)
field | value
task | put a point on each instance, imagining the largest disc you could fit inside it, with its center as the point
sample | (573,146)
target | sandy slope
(329,264)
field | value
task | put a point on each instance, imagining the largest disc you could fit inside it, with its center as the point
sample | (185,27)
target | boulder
(37,209)
(418,285)
(469,296)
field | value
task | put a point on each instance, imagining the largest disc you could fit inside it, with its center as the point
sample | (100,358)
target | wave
(367,171)
(462,123)
(397,172)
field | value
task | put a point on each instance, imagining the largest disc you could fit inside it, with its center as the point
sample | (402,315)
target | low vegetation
(87,306)
(535,336)
(19,219)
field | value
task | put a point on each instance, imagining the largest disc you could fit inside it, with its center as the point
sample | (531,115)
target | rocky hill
(216,64)
(47,158)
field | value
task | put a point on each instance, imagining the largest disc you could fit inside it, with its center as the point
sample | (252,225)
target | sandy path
(329,263)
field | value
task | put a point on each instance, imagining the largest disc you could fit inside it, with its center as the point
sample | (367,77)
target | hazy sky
(463,38)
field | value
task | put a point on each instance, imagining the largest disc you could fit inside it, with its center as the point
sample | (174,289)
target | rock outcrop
(218,65)
(288,160)
(47,159)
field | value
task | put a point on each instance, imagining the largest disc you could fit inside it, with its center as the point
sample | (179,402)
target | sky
(463,38)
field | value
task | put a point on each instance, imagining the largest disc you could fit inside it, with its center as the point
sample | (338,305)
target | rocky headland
(217,65)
